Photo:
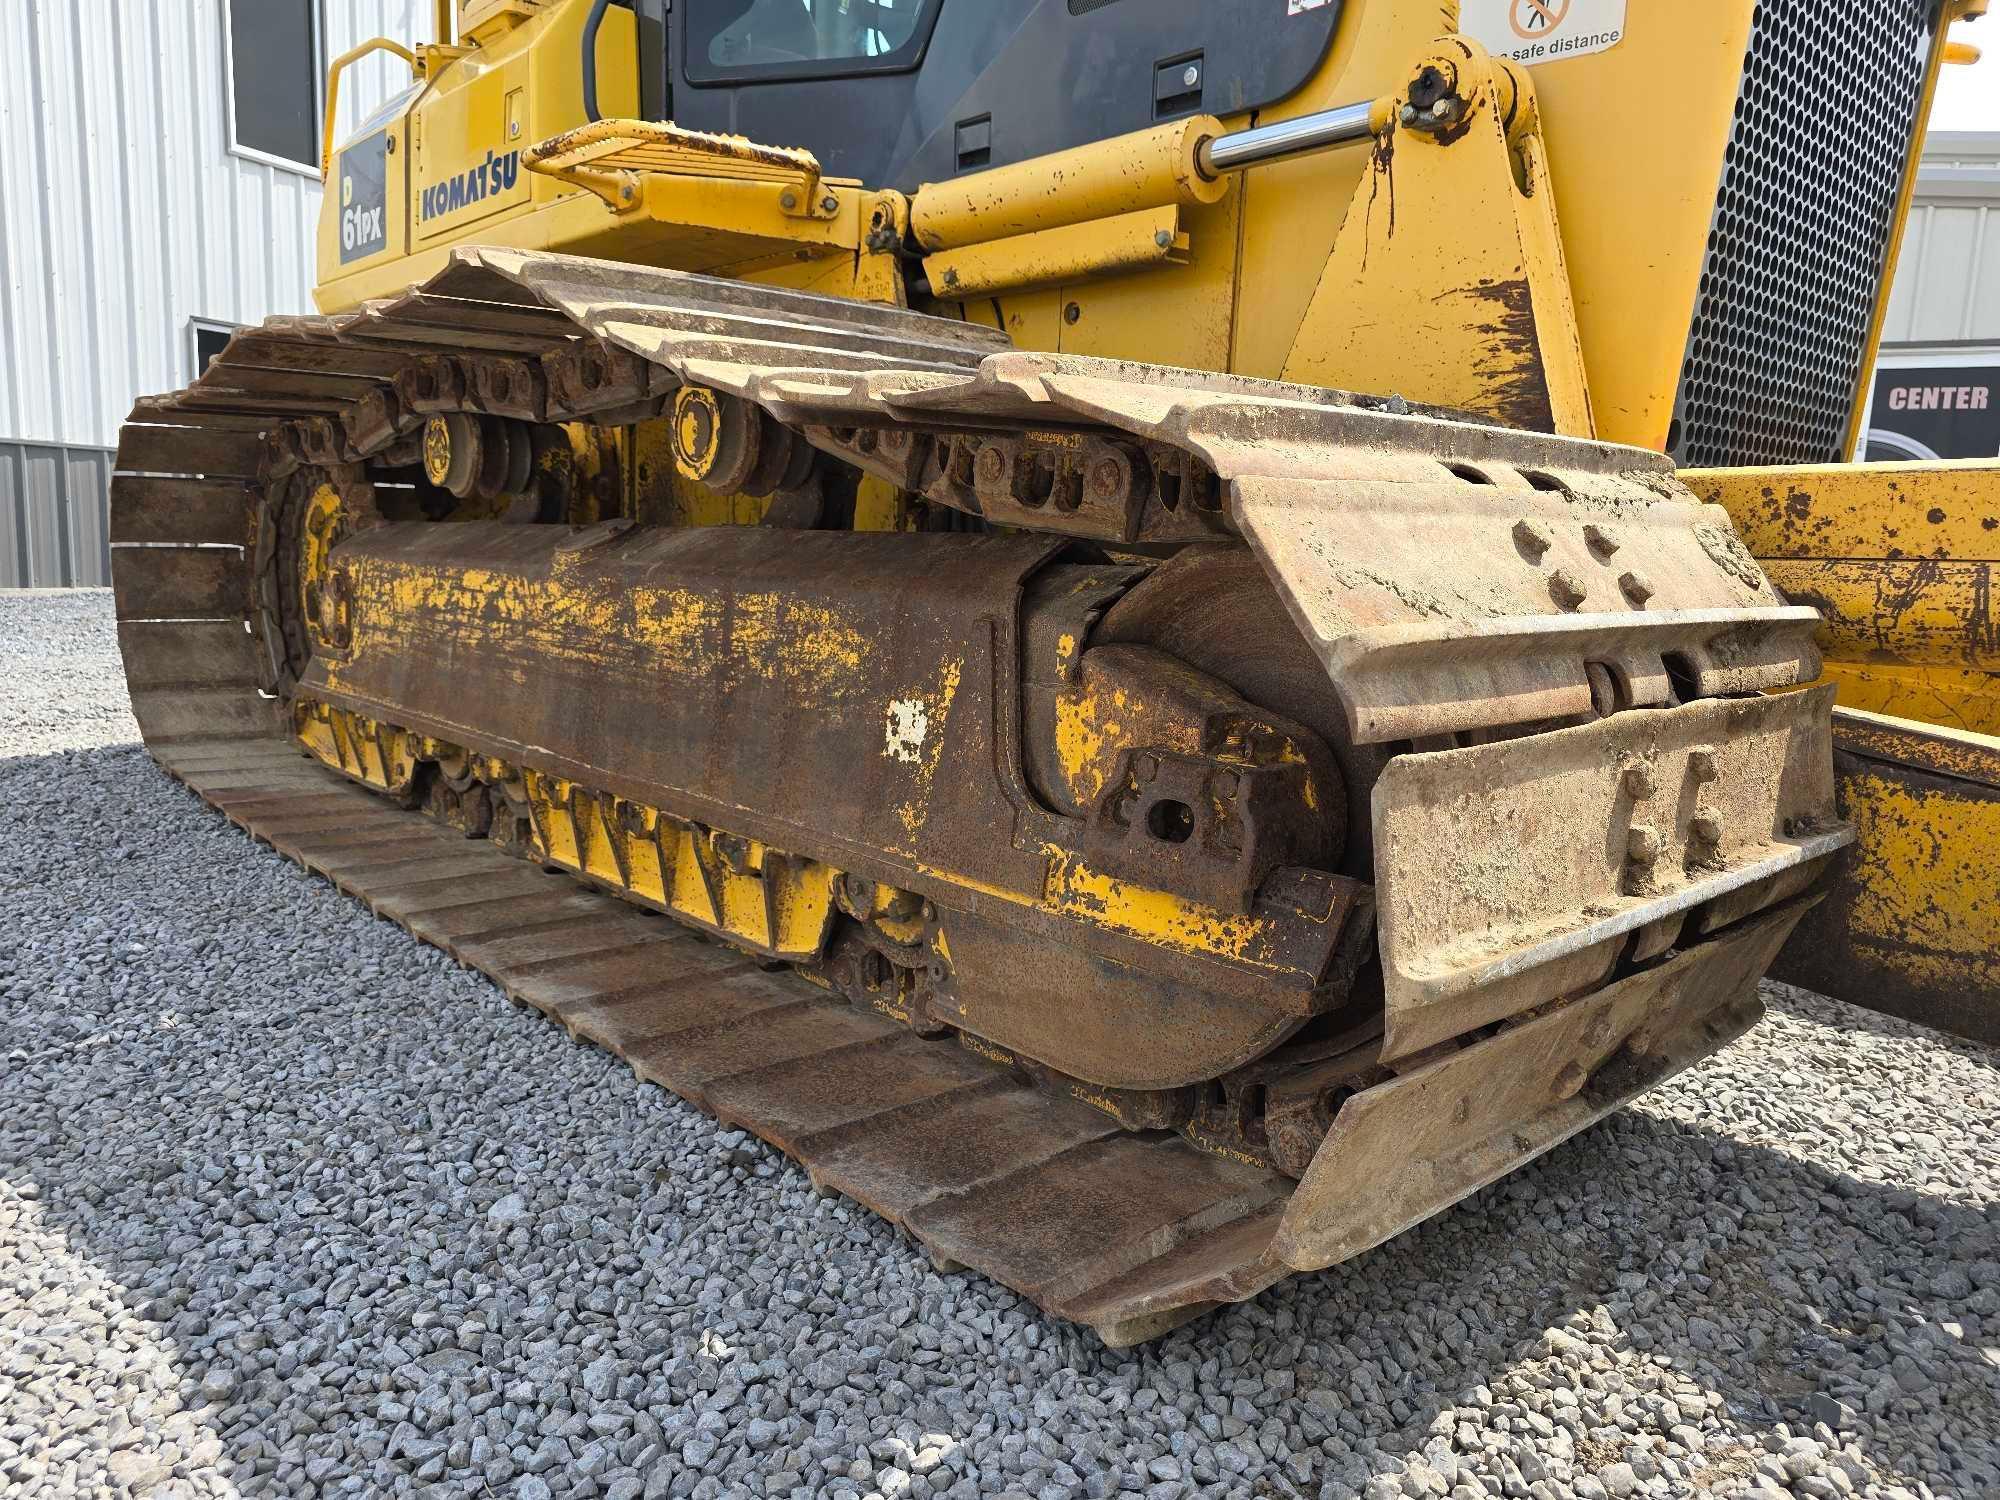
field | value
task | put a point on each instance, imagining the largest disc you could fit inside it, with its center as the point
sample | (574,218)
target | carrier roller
(1240,821)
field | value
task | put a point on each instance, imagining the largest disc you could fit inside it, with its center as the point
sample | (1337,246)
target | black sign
(364,197)
(1938,411)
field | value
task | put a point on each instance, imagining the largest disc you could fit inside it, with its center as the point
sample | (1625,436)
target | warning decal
(1539,31)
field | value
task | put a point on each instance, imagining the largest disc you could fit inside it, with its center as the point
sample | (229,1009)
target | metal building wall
(123,215)
(1948,280)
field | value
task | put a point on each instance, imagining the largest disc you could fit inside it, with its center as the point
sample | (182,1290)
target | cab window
(732,39)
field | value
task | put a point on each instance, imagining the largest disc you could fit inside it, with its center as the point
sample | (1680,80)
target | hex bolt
(1702,766)
(1570,1081)
(829,204)
(1531,538)
(1442,110)
(1600,541)
(930,911)
(1706,828)
(1565,590)
(1407,114)
(1163,239)
(1642,845)
(788,200)
(1635,587)
(1192,76)
(1638,781)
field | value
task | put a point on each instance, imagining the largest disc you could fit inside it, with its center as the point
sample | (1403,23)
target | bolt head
(829,204)
(1192,76)
(1408,114)
(1702,766)
(1531,538)
(1637,781)
(1567,592)
(1642,844)
(1442,110)
(1706,828)
(1636,587)
(788,200)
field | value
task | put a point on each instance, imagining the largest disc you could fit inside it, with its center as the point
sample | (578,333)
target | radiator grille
(1825,125)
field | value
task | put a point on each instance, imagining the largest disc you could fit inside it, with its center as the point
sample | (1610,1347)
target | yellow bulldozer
(1076,611)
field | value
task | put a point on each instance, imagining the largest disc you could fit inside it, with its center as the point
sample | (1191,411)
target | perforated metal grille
(1824,127)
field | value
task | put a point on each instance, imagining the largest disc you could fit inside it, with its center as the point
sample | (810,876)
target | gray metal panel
(55,510)
(1948,280)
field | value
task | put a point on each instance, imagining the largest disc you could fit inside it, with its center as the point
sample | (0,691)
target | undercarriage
(1209,827)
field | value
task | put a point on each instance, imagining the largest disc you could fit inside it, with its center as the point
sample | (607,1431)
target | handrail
(340,64)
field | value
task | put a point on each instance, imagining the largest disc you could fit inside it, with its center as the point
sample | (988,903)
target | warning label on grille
(1539,31)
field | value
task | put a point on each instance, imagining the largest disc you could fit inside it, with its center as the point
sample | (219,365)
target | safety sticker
(1539,31)
(1300,7)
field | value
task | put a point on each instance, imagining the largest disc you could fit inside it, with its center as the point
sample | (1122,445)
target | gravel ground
(290,1204)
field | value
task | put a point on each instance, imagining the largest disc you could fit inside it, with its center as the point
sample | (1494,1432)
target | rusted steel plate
(1229,1264)
(788,1101)
(185,511)
(1509,875)
(182,450)
(1911,923)
(187,653)
(335,855)
(270,780)
(416,902)
(180,583)
(617,929)
(581,287)
(260,350)
(950,1144)
(582,980)
(1407,1149)
(357,880)
(1061,1226)
(557,903)
(165,411)
(687,1061)
(167,714)
(625,1021)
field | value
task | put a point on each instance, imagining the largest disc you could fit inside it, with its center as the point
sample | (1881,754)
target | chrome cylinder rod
(1264,144)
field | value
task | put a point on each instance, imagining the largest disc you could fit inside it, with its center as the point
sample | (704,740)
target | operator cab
(902,92)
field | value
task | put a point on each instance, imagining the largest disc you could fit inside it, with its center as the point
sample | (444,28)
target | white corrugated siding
(1948,280)
(123,213)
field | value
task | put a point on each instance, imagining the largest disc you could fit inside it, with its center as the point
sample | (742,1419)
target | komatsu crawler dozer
(832,546)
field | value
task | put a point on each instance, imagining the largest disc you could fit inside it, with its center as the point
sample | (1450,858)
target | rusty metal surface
(976,1148)
(854,699)
(1410,1147)
(1911,921)
(1483,885)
